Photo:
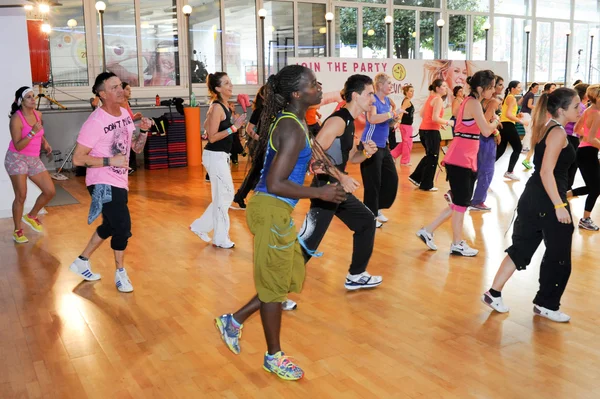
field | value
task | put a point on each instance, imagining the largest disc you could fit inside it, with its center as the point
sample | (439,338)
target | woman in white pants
(215,159)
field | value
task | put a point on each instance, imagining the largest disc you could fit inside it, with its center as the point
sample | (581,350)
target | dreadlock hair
(277,95)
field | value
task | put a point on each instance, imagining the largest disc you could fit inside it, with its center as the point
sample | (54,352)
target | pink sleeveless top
(33,148)
(586,130)
(465,145)
(427,122)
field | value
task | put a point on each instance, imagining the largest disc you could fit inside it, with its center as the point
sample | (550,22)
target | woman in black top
(543,211)
(215,159)
(406,128)
(526,109)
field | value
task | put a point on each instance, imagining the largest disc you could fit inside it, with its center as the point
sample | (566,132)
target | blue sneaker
(283,366)
(229,333)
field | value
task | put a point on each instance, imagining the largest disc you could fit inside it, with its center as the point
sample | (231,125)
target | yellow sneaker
(34,223)
(19,237)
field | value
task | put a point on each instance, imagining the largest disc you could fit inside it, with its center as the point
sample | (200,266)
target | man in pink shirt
(103,147)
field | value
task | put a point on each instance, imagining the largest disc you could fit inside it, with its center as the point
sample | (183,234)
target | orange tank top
(427,122)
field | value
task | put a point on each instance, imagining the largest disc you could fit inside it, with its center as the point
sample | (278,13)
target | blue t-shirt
(298,173)
(379,132)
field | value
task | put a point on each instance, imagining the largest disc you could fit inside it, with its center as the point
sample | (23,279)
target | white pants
(216,216)
(527,137)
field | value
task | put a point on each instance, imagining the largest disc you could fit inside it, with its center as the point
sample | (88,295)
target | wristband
(233,128)
(496,133)
(105,161)
(366,154)
(389,114)
(144,131)
(563,205)
(229,131)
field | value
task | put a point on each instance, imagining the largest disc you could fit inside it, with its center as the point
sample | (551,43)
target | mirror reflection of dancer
(215,158)
(23,160)
(486,157)
(405,147)
(380,167)
(429,134)
(337,138)
(508,130)
(543,210)
(461,162)
(278,262)
(103,147)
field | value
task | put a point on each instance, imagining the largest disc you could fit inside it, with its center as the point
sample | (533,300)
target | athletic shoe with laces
(511,176)
(363,280)
(414,182)
(83,269)
(554,315)
(588,224)
(495,303)
(448,196)
(463,249)
(378,224)
(480,207)
(282,366)
(122,281)
(34,223)
(226,245)
(203,236)
(230,334)
(381,217)
(427,238)
(527,164)
(19,237)
(289,305)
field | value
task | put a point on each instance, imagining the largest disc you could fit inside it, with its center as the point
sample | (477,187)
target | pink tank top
(586,129)
(465,145)
(427,122)
(33,148)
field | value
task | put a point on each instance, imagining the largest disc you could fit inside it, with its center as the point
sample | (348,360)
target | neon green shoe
(282,366)
(34,223)
(19,237)
(527,164)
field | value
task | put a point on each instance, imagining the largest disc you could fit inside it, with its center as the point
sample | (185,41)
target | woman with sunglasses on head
(23,161)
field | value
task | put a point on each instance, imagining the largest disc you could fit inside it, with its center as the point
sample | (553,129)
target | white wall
(14,73)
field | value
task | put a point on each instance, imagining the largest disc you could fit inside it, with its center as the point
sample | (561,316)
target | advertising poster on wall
(333,72)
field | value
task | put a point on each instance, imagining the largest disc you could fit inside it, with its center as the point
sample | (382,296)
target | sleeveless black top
(340,149)
(223,145)
(565,159)
(407,119)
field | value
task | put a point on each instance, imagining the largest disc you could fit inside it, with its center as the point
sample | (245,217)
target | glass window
(555,9)
(205,27)
(479,39)
(120,41)
(457,41)
(519,49)
(371,1)
(513,7)
(240,41)
(587,10)
(346,38)
(312,30)
(429,35)
(542,48)
(279,34)
(404,33)
(374,33)
(595,75)
(469,5)
(559,48)
(502,44)
(67,45)
(160,53)
(421,3)
(580,52)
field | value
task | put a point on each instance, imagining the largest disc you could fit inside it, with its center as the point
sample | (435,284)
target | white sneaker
(82,269)
(122,281)
(495,303)
(381,217)
(462,248)
(432,189)
(363,280)
(414,182)
(554,315)
(511,176)
(378,224)
(289,305)
(203,236)
(227,245)
(427,238)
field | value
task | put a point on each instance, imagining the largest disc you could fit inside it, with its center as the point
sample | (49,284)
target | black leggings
(249,183)
(353,214)
(587,160)
(424,173)
(509,135)
(574,141)
(380,180)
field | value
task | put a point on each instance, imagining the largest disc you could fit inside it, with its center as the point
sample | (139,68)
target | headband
(20,100)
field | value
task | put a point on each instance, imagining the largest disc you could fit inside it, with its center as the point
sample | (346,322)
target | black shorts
(116,220)
(462,183)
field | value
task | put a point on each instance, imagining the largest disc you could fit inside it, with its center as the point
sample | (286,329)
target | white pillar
(13,75)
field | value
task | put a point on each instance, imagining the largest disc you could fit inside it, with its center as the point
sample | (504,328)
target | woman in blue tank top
(380,167)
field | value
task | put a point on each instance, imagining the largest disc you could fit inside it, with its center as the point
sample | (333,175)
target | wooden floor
(422,334)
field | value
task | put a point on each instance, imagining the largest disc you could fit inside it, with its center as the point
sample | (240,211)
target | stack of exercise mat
(166,145)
